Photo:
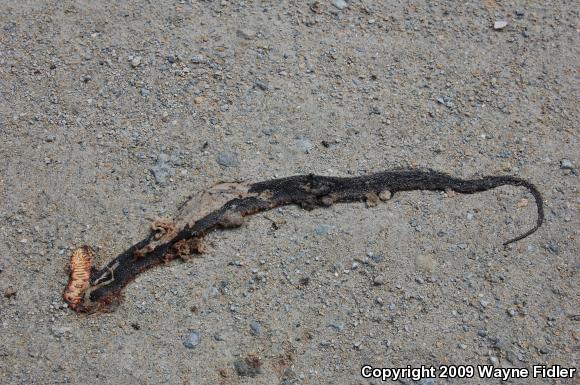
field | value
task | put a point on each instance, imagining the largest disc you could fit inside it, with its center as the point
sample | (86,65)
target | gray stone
(256,328)
(144,92)
(566,164)
(136,61)
(553,247)
(499,25)
(198,59)
(375,257)
(162,170)
(340,4)
(191,339)
(262,84)
(504,154)
(303,145)
(228,159)
(447,101)
(379,280)
(322,229)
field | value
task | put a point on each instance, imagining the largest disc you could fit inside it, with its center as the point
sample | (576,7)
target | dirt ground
(113,113)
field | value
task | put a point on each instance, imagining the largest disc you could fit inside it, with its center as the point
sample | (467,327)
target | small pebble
(255,328)
(162,170)
(340,4)
(493,360)
(379,280)
(228,159)
(136,61)
(553,247)
(198,59)
(191,340)
(499,25)
(304,145)
(261,84)
(144,92)
(375,257)
(504,154)
(447,101)
(322,229)
(566,164)
(385,195)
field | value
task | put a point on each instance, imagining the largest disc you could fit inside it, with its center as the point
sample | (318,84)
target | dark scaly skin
(308,191)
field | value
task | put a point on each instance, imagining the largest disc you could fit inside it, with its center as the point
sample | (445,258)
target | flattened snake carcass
(224,206)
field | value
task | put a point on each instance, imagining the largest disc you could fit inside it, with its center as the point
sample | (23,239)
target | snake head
(84,279)
(81,263)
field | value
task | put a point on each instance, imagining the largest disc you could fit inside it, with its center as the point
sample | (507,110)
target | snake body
(226,204)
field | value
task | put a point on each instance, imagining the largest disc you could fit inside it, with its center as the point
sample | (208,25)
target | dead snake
(225,204)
